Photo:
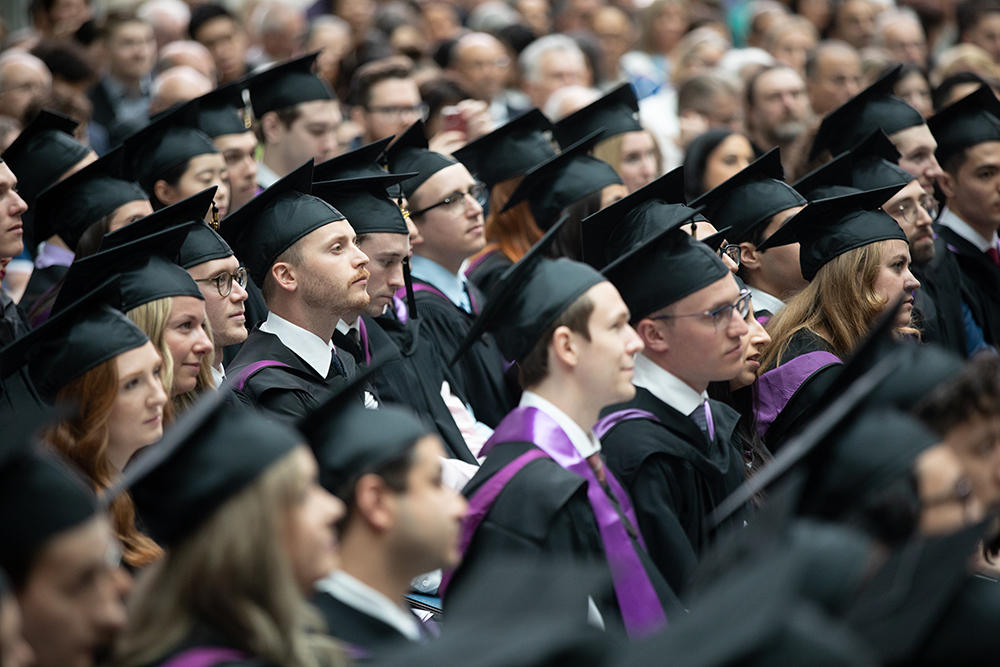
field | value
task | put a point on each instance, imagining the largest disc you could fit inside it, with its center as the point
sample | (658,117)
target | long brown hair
(840,305)
(512,232)
(83,439)
(233,574)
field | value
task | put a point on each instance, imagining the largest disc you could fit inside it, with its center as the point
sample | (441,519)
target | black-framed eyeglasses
(224,281)
(722,315)
(908,210)
(732,251)
(393,113)
(457,201)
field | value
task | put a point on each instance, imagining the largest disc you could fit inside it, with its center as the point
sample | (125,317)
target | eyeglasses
(909,212)
(732,251)
(224,281)
(722,315)
(457,202)
(397,113)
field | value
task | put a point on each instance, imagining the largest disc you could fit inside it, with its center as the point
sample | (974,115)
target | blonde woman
(857,261)
(245,544)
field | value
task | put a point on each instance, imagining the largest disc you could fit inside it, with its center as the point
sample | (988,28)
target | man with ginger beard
(303,255)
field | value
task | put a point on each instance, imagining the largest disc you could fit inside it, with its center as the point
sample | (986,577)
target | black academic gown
(543,511)
(407,379)
(40,282)
(938,302)
(287,392)
(675,478)
(365,635)
(980,284)
(486,271)
(803,402)
(255,311)
(17,394)
(479,375)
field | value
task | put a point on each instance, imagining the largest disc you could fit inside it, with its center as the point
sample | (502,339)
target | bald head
(279,28)
(833,75)
(24,80)
(190,54)
(481,63)
(176,85)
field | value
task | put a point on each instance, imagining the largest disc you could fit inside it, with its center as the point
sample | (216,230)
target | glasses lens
(225,284)
(930,205)
(242,276)
(478,192)
(733,252)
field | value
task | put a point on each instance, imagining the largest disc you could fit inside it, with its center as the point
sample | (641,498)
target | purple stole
(365,351)
(424,287)
(206,656)
(479,260)
(776,387)
(641,609)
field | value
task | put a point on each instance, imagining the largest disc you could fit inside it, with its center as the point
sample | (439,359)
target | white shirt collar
(764,301)
(364,598)
(343,327)
(307,345)
(266,177)
(585,442)
(218,376)
(962,228)
(666,386)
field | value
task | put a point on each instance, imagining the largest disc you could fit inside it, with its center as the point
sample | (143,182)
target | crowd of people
(501,332)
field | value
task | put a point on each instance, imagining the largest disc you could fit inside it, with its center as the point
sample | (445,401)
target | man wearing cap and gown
(43,154)
(301,252)
(298,114)
(401,521)
(755,203)
(672,446)
(452,231)
(968,135)
(356,186)
(544,490)
(224,117)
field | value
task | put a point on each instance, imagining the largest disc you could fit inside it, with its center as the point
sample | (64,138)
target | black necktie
(336,366)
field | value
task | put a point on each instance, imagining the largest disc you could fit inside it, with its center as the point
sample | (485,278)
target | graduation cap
(965,632)
(873,108)
(714,242)
(972,120)
(828,228)
(285,85)
(663,270)
(171,139)
(359,163)
(628,222)
(615,113)
(409,153)
(833,179)
(529,297)
(71,206)
(562,181)
(145,267)
(510,150)
(270,223)
(750,198)
(365,203)
(923,369)
(43,152)
(875,163)
(211,453)
(349,439)
(80,337)
(222,112)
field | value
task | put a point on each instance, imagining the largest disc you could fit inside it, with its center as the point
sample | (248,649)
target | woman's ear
(164,192)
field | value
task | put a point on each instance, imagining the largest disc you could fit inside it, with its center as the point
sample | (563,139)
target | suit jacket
(980,284)
(355,627)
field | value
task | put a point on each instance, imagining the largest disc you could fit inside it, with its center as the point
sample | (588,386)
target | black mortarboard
(365,203)
(833,179)
(71,206)
(80,337)
(409,153)
(43,152)
(972,120)
(528,297)
(510,150)
(286,85)
(562,181)
(828,228)
(222,112)
(922,370)
(873,108)
(631,220)
(171,139)
(211,453)
(359,163)
(270,223)
(615,113)
(145,266)
(348,438)
(965,634)
(750,198)
(663,270)
(875,163)
(714,242)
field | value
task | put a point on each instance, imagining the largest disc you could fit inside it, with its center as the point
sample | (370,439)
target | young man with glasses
(386,99)
(671,446)
(446,204)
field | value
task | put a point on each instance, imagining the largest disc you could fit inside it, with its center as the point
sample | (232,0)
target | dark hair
(394,473)
(700,91)
(516,36)
(890,514)
(202,14)
(975,391)
(368,75)
(286,116)
(172,176)
(696,159)
(66,59)
(943,91)
(955,161)
(535,365)
(439,92)
(743,400)
(969,13)
(116,19)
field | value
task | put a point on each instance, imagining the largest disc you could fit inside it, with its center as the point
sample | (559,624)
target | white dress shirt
(305,344)
(266,177)
(584,441)
(666,386)
(367,600)
(764,301)
(219,376)
(965,230)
